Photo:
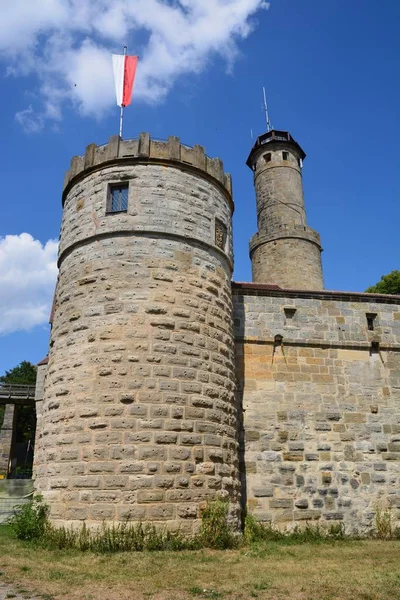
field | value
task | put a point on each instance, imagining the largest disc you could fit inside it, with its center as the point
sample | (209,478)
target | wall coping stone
(261,289)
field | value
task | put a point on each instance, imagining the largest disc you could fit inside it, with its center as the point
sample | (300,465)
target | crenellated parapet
(148,150)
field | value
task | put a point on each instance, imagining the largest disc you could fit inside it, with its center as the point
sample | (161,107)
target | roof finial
(265,108)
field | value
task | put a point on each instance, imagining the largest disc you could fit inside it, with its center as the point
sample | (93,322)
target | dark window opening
(300,163)
(289,314)
(268,157)
(118,198)
(374,348)
(285,155)
(371,321)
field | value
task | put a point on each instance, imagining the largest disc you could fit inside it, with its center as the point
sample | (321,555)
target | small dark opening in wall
(289,314)
(268,157)
(374,348)
(371,321)
(285,155)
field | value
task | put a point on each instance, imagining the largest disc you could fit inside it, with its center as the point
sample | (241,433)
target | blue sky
(332,74)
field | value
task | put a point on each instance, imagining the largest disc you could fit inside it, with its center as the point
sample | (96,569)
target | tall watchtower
(284,251)
(139,416)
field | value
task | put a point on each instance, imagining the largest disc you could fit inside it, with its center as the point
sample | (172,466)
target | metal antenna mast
(265,108)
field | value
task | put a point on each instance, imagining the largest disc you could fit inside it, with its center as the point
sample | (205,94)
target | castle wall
(321,405)
(139,419)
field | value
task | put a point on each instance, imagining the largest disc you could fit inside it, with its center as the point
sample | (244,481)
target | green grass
(267,570)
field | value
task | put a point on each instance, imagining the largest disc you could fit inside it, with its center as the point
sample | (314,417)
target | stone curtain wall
(139,418)
(321,413)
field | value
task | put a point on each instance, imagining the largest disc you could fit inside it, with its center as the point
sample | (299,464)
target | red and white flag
(124,76)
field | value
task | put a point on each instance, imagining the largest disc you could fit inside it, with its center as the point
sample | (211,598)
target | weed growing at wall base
(30,523)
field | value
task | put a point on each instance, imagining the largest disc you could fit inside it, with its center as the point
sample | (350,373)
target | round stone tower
(139,419)
(284,251)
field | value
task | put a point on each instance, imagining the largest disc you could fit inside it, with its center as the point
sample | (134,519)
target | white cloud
(28,273)
(67,45)
(29,120)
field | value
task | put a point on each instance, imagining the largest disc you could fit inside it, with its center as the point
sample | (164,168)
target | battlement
(145,149)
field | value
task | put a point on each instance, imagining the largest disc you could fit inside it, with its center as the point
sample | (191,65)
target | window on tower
(117,200)
(285,155)
(268,157)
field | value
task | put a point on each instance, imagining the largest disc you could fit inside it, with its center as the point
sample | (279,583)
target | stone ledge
(284,232)
(144,150)
(142,233)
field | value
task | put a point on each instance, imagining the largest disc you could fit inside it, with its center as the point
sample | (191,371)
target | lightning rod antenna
(268,120)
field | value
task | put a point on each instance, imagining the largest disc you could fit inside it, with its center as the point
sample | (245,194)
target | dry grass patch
(341,570)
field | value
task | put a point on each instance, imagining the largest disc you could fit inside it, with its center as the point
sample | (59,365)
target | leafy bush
(215,530)
(338,532)
(30,521)
(383,522)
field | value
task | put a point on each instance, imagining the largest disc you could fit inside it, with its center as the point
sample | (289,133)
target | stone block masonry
(139,419)
(284,251)
(320,394)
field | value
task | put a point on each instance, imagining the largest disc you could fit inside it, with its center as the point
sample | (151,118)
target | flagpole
(121,118)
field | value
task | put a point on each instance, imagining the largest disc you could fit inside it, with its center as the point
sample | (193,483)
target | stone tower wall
(288,261)
(321,406)
(284,251)
(139,419)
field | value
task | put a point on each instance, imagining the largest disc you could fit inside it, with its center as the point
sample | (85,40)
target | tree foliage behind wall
(389,284)
(22,374)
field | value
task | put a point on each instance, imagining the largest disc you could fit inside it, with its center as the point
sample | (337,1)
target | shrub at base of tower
(31,523)
(215,530)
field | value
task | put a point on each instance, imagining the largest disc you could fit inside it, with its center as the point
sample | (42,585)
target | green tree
(22,374)
(389,284)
